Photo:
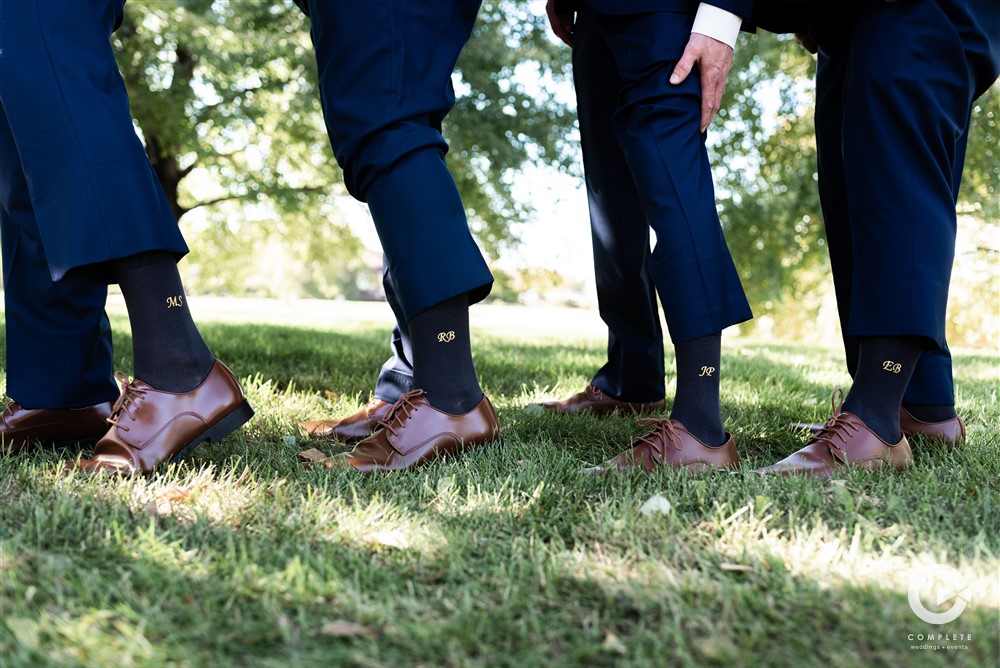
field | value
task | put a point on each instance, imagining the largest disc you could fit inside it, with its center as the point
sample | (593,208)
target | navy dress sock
(696,401)
(885,365)
(442,356)
(167,347)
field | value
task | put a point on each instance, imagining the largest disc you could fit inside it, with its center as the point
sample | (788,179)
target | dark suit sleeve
(784,16)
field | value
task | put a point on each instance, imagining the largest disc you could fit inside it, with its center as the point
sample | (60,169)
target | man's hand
(562,24)
(714,59)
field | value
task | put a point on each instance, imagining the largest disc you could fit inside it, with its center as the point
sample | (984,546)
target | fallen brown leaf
(313,457)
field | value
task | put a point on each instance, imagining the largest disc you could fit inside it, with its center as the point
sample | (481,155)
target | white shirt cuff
(717,23)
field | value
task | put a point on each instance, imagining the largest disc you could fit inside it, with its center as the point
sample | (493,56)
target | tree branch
(214,201)
(232,198)
(187,170)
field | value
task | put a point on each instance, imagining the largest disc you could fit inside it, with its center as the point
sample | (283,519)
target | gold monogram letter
(175,302)
(446,337)
(707,371)
(894,367)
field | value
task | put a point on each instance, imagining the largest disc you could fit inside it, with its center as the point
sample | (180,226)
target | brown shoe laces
(663,430)
(128,401)
(836,426)
(400,412)
(594,392)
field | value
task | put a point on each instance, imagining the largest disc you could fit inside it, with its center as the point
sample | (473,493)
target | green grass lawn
(242,556)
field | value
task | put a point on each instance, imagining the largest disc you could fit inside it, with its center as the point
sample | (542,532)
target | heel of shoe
(230,423)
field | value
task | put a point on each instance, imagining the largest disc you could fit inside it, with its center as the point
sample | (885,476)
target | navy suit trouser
(385,83)
(647,168)
(626,295)
(76,189)
(656,137)
(396,376)
(895,88)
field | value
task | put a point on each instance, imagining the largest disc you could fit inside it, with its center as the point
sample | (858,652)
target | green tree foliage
(499,124)
(225,97)
(980,192)
(765,168)
(226,89)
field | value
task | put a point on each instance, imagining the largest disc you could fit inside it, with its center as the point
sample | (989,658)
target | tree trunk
(164,158)
(167,171)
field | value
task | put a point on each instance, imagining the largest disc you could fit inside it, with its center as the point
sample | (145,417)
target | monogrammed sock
(885,365)
(169,353)
(696,401)
(442,356)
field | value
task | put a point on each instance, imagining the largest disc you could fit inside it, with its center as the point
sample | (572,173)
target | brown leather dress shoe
(593,400)
(150,427)
(844,441)
(415,433)
(353,427)
(950,432)
(670,444)
(54,427)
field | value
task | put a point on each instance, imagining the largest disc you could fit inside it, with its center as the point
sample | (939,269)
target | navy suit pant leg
(626,294)
(93,192)
(894,93)
(385,77)
(75,189)
(657,127)
(58,339)
(396,376)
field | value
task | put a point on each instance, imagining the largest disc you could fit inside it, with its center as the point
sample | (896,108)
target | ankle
(181,374)
(880,420)
(704,426)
